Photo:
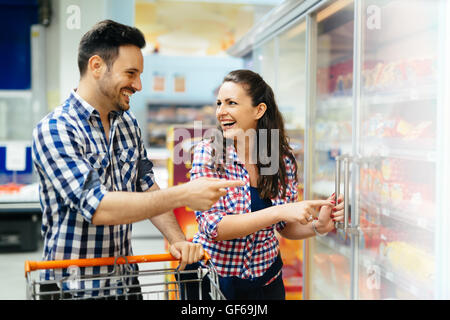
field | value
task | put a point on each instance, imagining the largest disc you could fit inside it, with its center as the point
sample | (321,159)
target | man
(93,166)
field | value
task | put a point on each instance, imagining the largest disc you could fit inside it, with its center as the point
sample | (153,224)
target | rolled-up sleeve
(202,166)
(59,157)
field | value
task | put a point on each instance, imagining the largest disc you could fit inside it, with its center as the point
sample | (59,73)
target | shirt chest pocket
(99,161)
(128,168)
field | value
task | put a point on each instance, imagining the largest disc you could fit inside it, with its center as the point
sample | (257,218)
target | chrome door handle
(337,180)
(346,159)
(346,192)
(337,186)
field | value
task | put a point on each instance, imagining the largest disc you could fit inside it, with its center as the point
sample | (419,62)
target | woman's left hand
(328,215)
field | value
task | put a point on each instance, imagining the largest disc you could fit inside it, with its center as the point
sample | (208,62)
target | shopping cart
(123,282)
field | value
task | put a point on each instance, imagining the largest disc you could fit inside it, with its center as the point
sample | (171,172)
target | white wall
(71,19)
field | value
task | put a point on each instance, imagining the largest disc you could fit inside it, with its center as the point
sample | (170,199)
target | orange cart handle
(95,262)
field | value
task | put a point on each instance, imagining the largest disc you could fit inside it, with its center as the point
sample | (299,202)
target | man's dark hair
(104,40)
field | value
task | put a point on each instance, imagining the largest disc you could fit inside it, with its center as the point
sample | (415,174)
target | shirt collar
(84,108)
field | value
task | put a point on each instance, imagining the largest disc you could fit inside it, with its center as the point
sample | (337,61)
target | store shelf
(379,97)
(401,280)
(397,148)
(334,103)
(11,207)
(22,94)
(398,279)
(400,96)
(323,291)
(345,147)
(400,215)
(326,188)
(27,194)
(335,246)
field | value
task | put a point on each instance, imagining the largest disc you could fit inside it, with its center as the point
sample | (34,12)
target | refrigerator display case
(288,83)
(331,132)
(20,111)
(376,130)
(399,174)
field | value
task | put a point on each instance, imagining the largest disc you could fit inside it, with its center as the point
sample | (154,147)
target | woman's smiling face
(235,111)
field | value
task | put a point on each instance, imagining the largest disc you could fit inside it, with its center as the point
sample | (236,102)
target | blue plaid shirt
(76,168)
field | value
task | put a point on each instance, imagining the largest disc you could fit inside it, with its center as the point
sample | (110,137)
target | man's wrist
(179,238)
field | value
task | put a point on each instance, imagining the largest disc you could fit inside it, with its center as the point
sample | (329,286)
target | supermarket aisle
(146,240)
(12,278)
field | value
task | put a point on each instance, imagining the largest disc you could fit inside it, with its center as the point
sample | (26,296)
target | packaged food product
(404,128)
(10,188)
(410,260)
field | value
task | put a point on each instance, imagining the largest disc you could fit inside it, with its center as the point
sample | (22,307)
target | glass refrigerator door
(265,61)
(330,257)
(398,170)
(291,90)
(290,96)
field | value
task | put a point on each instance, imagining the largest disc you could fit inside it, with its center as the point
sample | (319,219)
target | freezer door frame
(441,288)
(311,93)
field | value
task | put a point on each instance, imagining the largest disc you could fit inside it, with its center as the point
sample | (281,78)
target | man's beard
(110,92)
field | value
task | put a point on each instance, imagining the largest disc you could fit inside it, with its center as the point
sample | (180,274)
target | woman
(242,242)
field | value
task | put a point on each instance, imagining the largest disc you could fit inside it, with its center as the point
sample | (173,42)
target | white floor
(146,240)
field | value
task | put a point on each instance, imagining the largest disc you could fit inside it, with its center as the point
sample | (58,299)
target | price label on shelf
(16,156)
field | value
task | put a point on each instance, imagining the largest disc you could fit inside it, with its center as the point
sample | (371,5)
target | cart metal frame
(153,284)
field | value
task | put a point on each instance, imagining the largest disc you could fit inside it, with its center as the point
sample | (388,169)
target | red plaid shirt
(247,257)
